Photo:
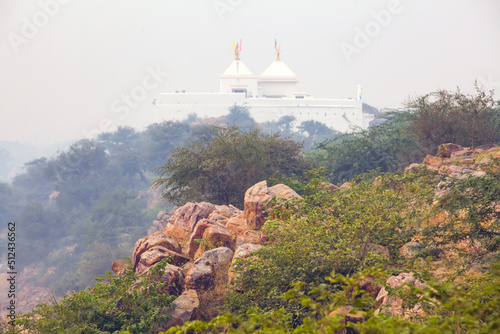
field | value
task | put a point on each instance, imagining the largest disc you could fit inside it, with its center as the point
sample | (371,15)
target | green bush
(116,302)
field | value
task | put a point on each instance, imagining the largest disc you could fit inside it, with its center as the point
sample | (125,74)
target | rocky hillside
(204,240)
(434,224)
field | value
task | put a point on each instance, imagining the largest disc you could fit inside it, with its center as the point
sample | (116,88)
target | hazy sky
(66,67)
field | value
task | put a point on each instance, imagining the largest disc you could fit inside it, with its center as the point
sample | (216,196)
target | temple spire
(237,49)
(277,49)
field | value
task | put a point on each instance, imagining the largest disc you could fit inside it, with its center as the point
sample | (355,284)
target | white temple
(270,96)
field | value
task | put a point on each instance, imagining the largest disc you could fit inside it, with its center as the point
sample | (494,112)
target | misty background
(60,83)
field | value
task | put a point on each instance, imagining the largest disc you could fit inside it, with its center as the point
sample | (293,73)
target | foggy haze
(66,66)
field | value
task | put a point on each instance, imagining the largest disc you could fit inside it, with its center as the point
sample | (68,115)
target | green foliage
(386,147)
(221,167)
(343,231)
(116,302)
(449,309)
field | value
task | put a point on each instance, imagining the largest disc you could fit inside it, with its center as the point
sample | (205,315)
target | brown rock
(432,161)
(370,286)
(241,252)
(185,308)
(227,211)
(173,276)
(155,255)
(331,188)
(461,154)
(236,225)
(194,239)
(245,250)
(394,304)
(410,248)
(445,150)
(216,236)
(202,275)
(185,218)
(257,195)
(346,185)
(118,265)
(156,239)
(349,314)
(209,268)
(249,237)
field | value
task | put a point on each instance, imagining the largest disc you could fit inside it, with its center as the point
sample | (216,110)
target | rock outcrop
(394,304)
(257,201)
(185,308)
(198,238)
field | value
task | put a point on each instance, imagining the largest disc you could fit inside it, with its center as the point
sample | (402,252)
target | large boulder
(257,195)
(202,275)
(156,239)
(245,250)
(185,308)
(249,237)
(445,150)
(237,224)
(174,278)
(409,249)
(208,235)
(209,269)
(242,252)
(221,258)
(433,162)
(185,218)
(118,265)
(155,255)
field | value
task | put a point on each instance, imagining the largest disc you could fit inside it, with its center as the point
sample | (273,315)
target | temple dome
(278,71)
(237,69)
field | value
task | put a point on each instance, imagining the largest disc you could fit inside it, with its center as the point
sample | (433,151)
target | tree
(223,166)
(240,116)
(446,117)
(315,132)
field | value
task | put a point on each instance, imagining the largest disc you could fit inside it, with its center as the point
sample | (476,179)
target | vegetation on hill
(320,247)
(116,302)
(407,137)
